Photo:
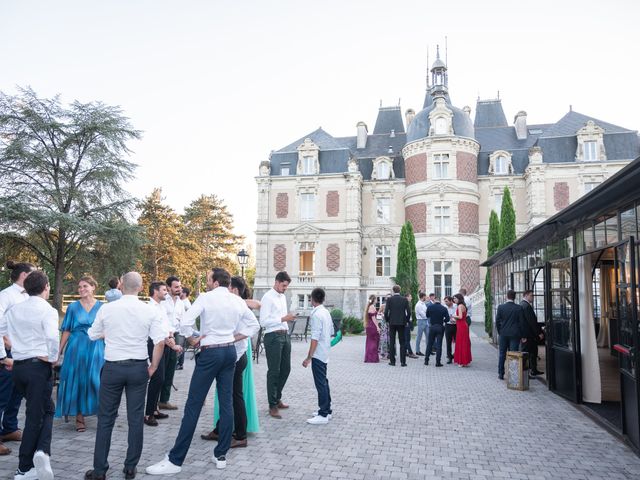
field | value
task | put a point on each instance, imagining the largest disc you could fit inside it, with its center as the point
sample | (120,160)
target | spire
(439,76)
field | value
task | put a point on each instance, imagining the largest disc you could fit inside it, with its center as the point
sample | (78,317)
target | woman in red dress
(462,355)
(373,332)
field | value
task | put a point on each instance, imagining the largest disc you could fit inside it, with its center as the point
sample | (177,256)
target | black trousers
(132,377)
(239,408)
(450,336)
(156,381)
(400,331)
(532,348)
(435,336)
(34,380)
(407,340)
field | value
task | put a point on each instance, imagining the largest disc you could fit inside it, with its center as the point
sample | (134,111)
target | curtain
(591,388)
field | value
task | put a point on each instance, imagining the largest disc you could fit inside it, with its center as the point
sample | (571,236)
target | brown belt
(217,345)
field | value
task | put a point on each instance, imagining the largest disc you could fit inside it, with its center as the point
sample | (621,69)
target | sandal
(80,426)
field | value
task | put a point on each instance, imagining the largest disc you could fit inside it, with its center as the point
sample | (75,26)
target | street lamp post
(243,258)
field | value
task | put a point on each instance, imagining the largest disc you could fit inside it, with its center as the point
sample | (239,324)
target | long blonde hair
(365,317)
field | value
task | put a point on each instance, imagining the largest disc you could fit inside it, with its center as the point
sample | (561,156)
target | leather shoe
(212,435)
(238,443)
(282,405)
(129,473)
(392,364)
(411,355)
(4,450)
(91,475)
(439,365)
(426,364)
(160,415)
(501,377)
(537,372)
(12,437)
(449,361)
(420,354)
(273,412)
(403,364)
(166,406)
(152,422)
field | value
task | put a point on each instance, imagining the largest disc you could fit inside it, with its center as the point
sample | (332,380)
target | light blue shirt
(112,295)
(321,331)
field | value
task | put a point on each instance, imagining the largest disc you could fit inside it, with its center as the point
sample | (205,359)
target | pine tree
(507,220)
(407,265)
(493,244)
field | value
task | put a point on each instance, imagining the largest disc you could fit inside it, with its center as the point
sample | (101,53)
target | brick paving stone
(389,423)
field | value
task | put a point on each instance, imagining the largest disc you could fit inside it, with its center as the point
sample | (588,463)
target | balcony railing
(376,282)
(306,277)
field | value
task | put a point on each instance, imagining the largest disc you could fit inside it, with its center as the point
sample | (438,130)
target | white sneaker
(30,475)
(42,464)
(316,414)
(165,467)
(318,420)
(221,462)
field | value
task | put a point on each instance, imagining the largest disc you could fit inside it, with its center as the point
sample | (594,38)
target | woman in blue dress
(83,358)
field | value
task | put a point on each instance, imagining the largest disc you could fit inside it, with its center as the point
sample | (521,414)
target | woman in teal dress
(83,358)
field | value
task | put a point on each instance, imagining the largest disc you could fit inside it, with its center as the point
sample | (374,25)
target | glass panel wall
(560,303)
(600,232)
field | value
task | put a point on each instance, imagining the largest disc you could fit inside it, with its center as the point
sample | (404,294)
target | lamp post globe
(243,258)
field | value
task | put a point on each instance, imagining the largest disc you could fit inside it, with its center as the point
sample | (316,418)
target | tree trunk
(58,273)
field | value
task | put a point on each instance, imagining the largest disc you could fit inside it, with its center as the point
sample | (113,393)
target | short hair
(241,285)
(154,287)
(432,294)
(423,295)
(221,276)
(90,280)
(18,268)
(283,277)
(460,298)
(113,282)
(186,291)
(527,292)
(396,289)
(463,291)
(36,283)
(511,295)
(131,282)
(448,297)
(318,295)
(172,279)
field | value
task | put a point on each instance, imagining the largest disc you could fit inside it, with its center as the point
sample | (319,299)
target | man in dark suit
(511,328)
(397,314)
(439,316)
(533,333)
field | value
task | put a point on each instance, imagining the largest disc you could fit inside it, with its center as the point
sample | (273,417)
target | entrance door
(627,345)
(562,345)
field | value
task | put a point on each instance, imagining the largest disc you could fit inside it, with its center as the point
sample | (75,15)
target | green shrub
(336,314)
(352,325)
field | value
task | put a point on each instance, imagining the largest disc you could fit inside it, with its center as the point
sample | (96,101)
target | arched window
(383,171)
(501,166)
(441,126)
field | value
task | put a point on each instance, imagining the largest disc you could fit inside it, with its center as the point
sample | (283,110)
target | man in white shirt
(421,317)
(125,326)
(157,293)
(450,327)
(9,397)
(318,356)
(220,314)
(274,318)
(32,328)
(175,311)
(184,296)
(467,303)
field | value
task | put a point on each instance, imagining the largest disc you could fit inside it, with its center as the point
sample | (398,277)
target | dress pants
(319,370)
(132,377)
(169,372)
(156,381)
(393,331)
(239,408)
(450,336)
(180,340)
(213,364)
(33,379)
(505,343)
(532,348)
(10,400)
(407,339)
(422,328)
(435,336)
(277,346)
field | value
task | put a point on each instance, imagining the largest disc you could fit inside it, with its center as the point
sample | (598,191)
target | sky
(215,85)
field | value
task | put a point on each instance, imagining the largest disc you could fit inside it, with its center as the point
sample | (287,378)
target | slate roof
(389,118)
(489,113)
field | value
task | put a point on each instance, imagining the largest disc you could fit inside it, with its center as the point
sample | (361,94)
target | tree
(493,245)
(507,220)
(209,227)
(62,171)
(407,264)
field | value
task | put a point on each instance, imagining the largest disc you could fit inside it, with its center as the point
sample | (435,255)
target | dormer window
(308,165)
(285,169)
(308,154)
(590,151)
(382,169)
(590,143)
(441,126)
(500,163)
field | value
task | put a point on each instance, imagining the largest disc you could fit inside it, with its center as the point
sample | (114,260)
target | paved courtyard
(389,422)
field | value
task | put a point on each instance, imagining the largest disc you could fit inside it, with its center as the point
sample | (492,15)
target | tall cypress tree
(493,245)
(407,264)
(507,220)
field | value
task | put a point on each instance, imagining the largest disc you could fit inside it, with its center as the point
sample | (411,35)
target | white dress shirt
(10,296)
(175,311)
(273,307)
(222,314)
(452,311)
(187,303)
(321,331)
(421,310)
(125,326)
(245,325)
(32,328)
(467,302)
(166,324)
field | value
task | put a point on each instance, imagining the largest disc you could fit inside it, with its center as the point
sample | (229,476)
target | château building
(330,209)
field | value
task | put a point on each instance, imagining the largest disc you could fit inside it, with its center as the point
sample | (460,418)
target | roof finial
(380,103)
(428,67)
(437,52)
(571,108)
(446,52)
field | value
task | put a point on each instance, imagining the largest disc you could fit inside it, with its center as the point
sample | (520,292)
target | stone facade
(468,217)
(333,257)
(416,169)
(469,274)
(417,215)
(560,195)
(333,203)
(280,257)
(282,205)
(466,167)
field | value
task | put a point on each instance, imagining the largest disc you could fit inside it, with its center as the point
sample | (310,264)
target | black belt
(129,360)
(278,332)
(28,360)
(217,345)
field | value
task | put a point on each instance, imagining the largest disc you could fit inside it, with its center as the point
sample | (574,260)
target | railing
(376,282)
(477,305)
(306,277)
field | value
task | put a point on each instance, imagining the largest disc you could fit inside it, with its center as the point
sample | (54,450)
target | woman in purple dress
(373,332)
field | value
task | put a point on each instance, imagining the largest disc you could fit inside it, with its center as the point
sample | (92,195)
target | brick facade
(560,195)
(333,257)
(469,274)
(466,167)
(282,205)
(417,215)
(422,274)
(333,203)
(280,257)
(415,169)
(468,218)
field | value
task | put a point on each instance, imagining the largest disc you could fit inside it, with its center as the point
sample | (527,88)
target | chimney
(361,139)
(467,110)
(409,116)
(520,122)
